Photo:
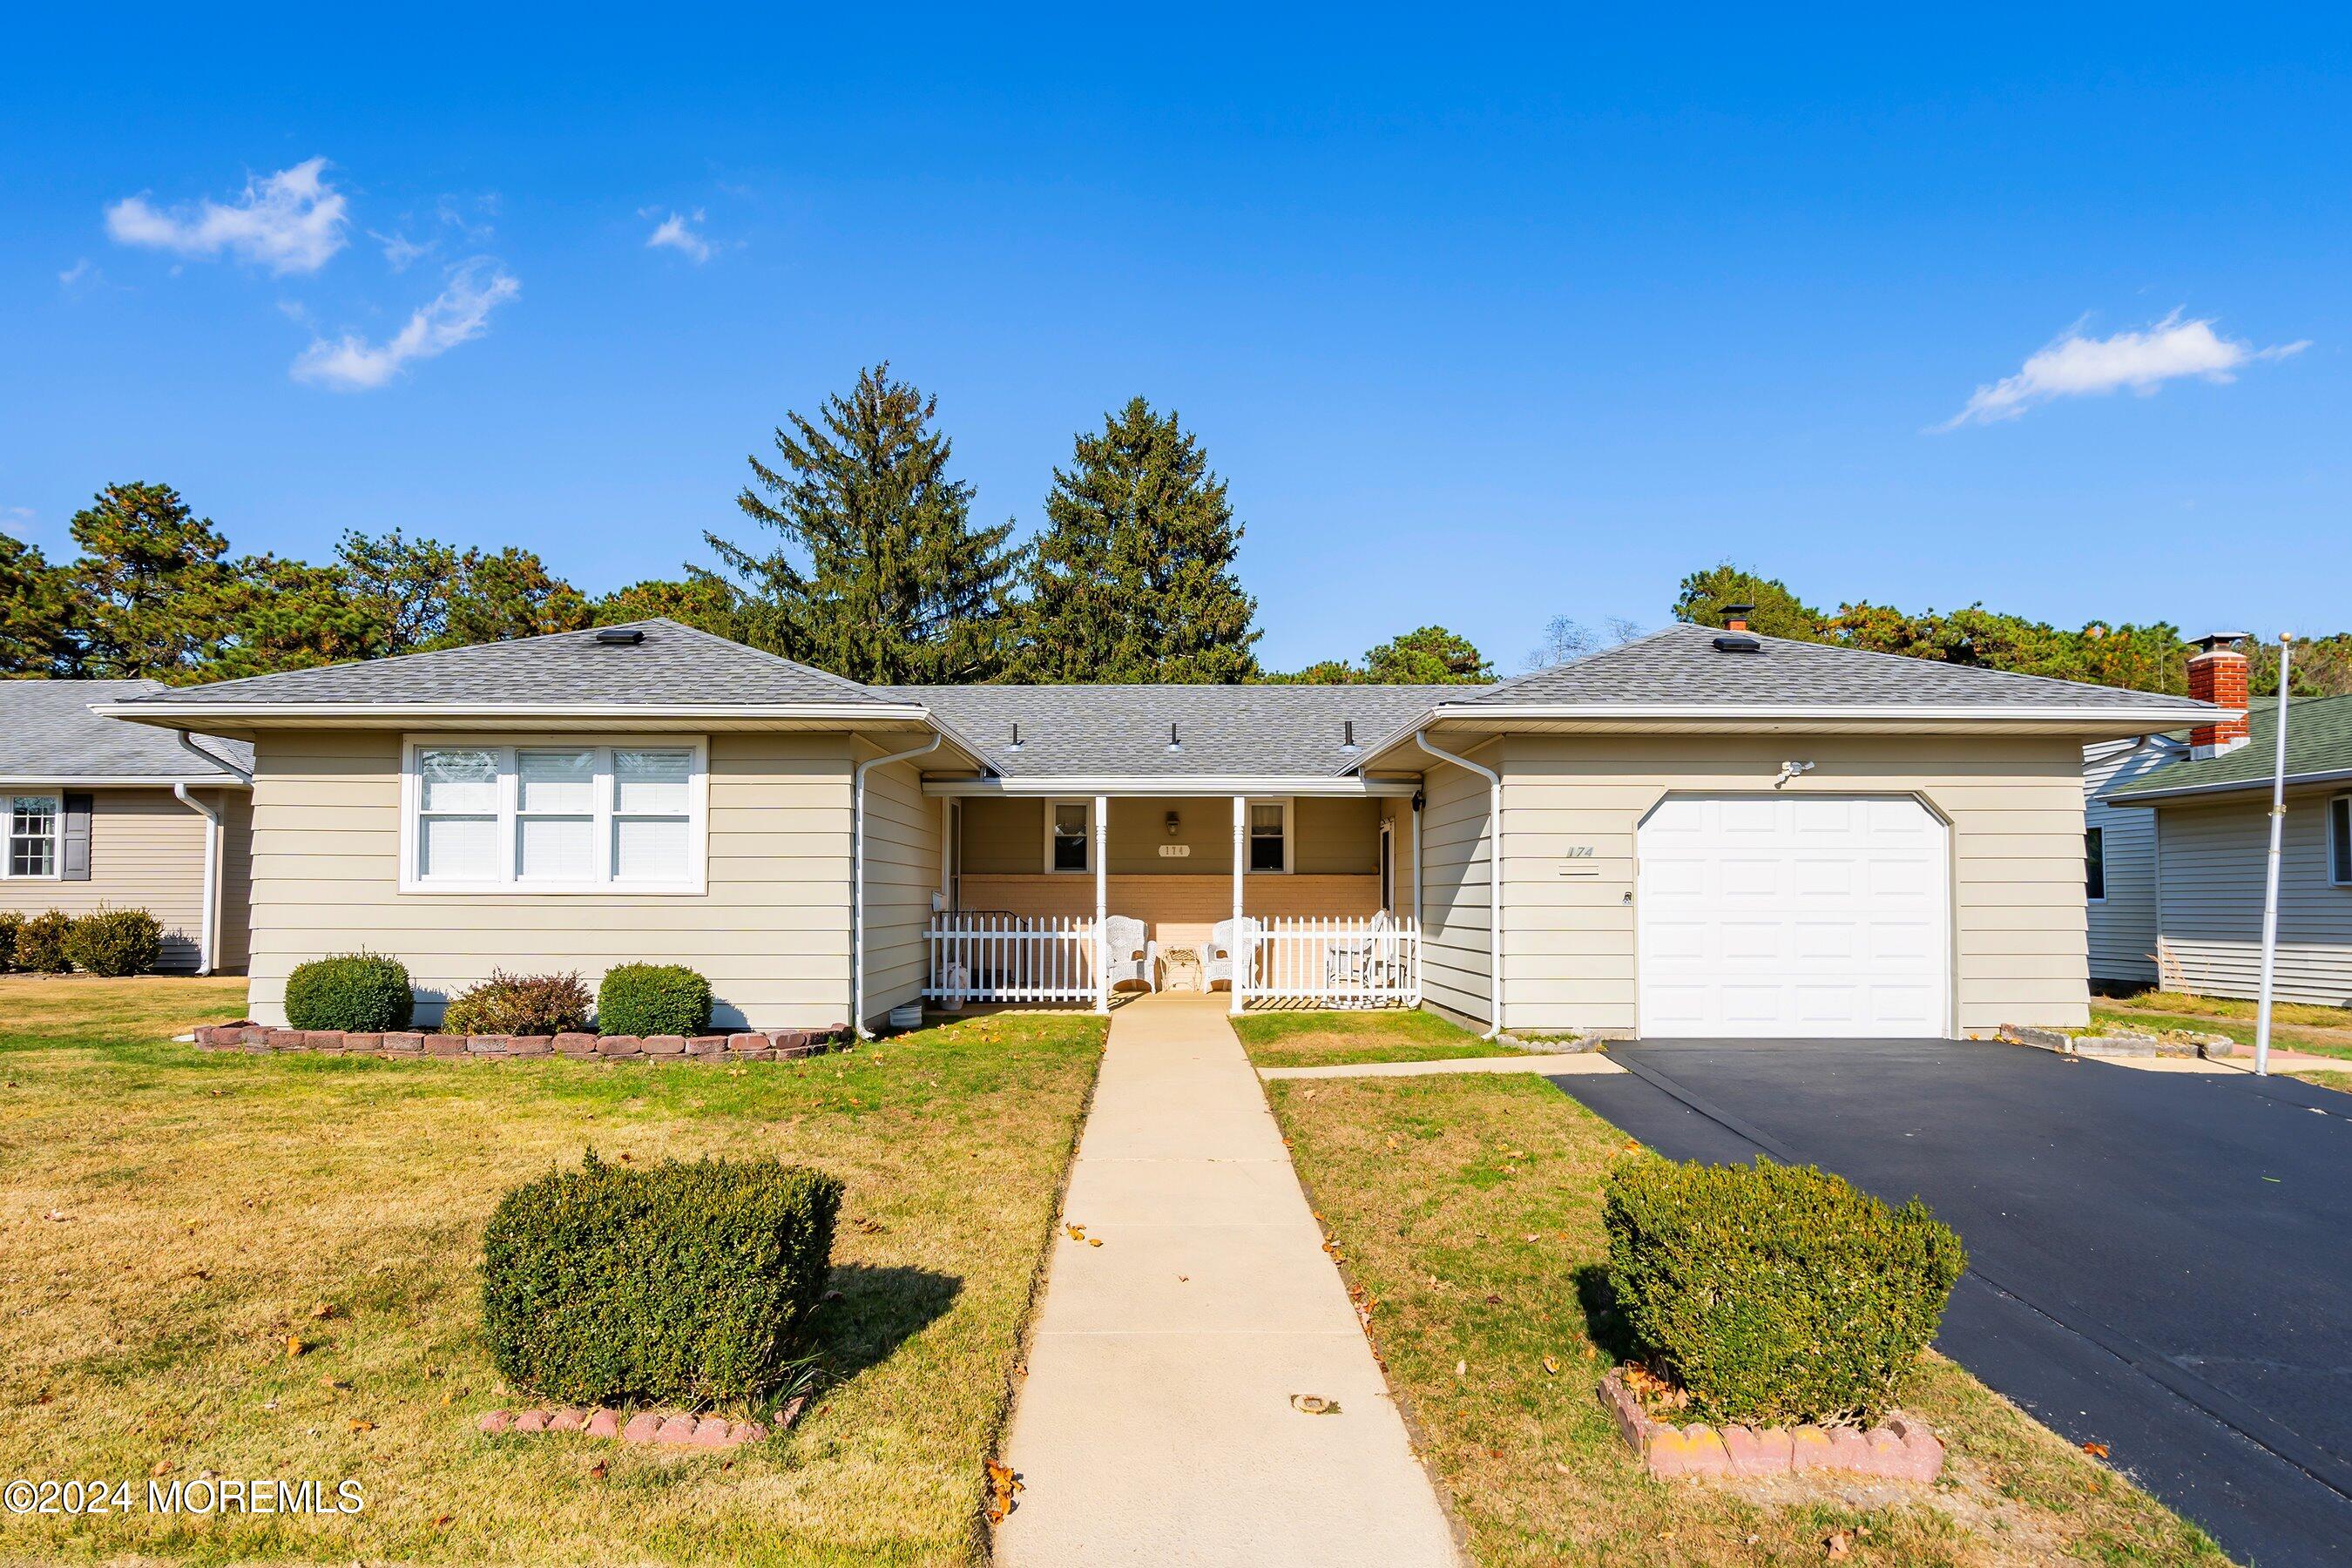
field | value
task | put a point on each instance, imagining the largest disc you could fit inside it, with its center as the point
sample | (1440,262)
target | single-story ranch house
(102,813)
(1698,833)
(2182,827)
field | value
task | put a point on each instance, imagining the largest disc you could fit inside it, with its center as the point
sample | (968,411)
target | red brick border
(750,1045)
(670,1429)
(1902,1450)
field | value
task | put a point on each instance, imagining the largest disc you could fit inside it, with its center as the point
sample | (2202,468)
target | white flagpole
(2270,889)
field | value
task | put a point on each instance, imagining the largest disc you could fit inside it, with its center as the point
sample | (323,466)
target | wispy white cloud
(400,250)
(291,221)
(677,233)
(459,314)
(2141,362)
(81,271)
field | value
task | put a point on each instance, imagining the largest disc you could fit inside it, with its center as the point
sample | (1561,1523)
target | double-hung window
(2339,841)
(1069,835)
(554,816)
(35,825)
(1269,836)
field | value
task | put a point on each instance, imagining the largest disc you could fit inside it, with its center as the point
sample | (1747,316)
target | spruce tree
(1133,579)
(881,576)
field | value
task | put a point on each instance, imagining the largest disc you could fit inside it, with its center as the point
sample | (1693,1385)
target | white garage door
(1778,915)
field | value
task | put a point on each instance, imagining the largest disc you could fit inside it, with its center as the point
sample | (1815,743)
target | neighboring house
(101,812)
(1697,833)
(2209,823)
(2119,857)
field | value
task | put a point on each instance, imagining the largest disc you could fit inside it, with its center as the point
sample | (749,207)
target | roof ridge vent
(619,637)
(1738,642)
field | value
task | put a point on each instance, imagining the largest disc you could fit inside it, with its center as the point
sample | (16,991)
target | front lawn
(1331,1039)
(1468,1208)
(170,1218)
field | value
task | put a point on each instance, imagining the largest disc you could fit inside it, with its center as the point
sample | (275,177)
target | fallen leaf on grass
(1837,1545)
(359,1426)
(597,1471)
(294,1346)
(869,1226)
(1551,1365)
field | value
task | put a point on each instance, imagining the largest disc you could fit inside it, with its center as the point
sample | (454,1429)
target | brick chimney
(2218,675)
(1734,616)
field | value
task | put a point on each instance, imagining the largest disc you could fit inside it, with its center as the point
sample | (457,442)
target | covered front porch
(1292,899)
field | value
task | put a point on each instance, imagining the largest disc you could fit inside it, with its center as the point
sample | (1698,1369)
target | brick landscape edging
(671,1429)
(1902,1450)
(747,1046)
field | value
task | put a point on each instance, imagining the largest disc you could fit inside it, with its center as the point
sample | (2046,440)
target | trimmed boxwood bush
(520,1005)
(1776,1294)
(653,999)
(676,1284)
(9,921)
(349,991)
(41,945)
(115,941)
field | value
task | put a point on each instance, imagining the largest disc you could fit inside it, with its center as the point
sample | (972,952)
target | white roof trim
(145,713)
(2021,712)
(1069,784)
(2227,786)
(142,781)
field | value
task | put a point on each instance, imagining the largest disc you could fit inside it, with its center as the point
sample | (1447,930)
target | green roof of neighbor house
(2319,751)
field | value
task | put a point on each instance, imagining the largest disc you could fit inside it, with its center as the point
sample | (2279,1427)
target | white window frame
(1289,836)
(2101,896)
(57,835)
(2338,805)
(1053,810)
(697,814)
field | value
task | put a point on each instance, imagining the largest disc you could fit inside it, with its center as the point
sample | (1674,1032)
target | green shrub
(115,941)
(653,999)
(676,1284)
(349,991)
(520,1005)
(41,945)
(1775,1293)
(10,921)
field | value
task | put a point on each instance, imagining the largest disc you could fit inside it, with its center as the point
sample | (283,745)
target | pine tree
(1430,657)
(1133,579)
(1775,611)
(34,608)
(881,576)
(147,588)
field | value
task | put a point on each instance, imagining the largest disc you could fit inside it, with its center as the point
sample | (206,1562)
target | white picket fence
(1010,958)
(1330,962)
(1322,960)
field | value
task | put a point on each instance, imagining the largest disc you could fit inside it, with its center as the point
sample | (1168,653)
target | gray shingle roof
(2318,743)
(48,732)
(674,665)
(1681,664)
(1260,732)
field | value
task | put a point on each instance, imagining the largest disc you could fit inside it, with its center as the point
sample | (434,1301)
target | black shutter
(73,847)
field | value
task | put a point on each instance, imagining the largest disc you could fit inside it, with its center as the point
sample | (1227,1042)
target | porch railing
(1331,962)
(1010,958)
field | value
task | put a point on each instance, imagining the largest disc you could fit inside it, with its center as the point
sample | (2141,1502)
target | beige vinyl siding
(2122,926)
(2215,857)
(2015,805)
(147,852)
(1457,862)
(771,933)
(902,872)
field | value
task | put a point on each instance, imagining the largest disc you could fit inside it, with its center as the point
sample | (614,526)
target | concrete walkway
(1552,1065)
(1156,1424)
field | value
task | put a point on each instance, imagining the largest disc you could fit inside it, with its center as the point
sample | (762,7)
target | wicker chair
(1129,954)
(1217,956)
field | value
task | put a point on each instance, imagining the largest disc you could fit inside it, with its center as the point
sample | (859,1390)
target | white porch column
(946,852)
(1241,954)
(1101,849)
(1417,795)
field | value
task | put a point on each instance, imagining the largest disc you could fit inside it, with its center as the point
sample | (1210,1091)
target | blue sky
(1485,320)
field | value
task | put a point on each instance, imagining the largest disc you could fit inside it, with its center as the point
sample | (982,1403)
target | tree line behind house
(867,561)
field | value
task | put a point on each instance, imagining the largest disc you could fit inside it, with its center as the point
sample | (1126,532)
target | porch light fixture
(1789,771)
(1175,824)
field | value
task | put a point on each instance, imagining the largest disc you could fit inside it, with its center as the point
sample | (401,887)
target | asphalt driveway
(2159,1262)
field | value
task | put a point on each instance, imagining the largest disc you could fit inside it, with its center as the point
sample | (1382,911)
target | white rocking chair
(1128,954)
(1217,957)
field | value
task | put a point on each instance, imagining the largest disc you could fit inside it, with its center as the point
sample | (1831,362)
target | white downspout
(208,922)
(858,881)
(1493,874)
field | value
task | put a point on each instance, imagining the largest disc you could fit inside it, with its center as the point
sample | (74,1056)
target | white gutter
(2228,786)
(1170,784)
(93,781)
(858,881)
(209,924)
(1494,877)
(172,713)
